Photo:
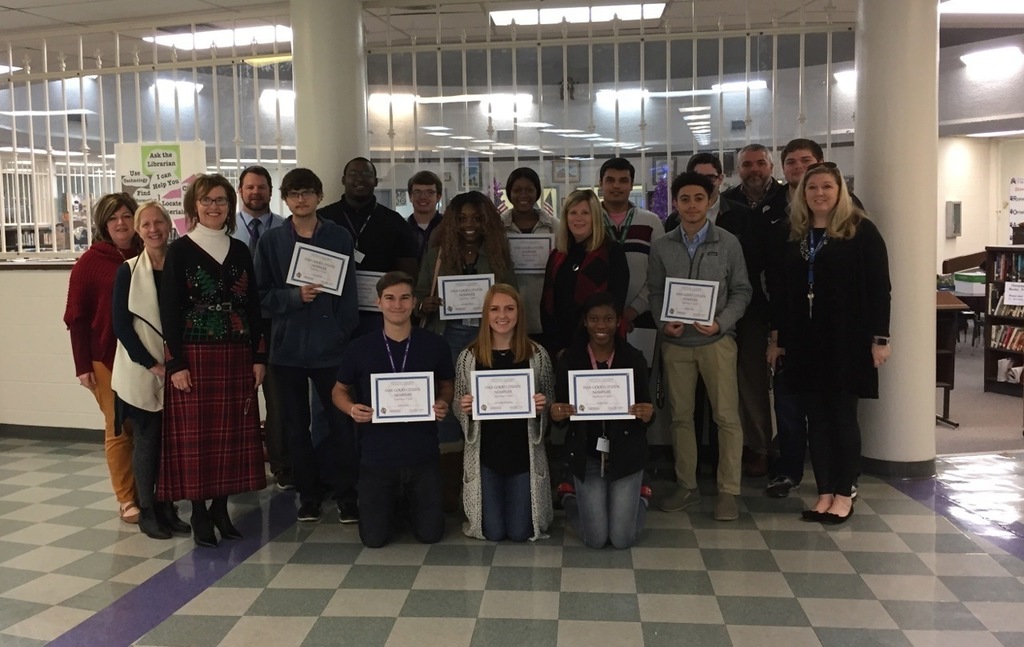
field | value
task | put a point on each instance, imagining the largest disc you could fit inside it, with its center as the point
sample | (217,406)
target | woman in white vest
(138,375)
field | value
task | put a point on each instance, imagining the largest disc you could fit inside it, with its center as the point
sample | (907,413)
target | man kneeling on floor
(396,457)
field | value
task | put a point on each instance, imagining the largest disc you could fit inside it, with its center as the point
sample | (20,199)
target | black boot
(169,519)
(219,515)
(150,525)
(202,526)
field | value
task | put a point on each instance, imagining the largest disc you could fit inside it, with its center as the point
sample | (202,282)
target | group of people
(174,341)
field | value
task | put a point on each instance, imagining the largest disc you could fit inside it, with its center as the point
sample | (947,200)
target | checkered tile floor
(897,574)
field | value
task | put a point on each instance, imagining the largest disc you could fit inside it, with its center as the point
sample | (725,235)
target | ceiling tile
(13,21)
(99,11)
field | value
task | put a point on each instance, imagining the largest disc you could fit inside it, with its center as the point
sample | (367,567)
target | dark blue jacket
(309,335)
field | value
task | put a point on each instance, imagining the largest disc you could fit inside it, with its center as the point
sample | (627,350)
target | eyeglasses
(713,177)
(301,195)
(425,193)
(368,174)
(209,202)
(828,165)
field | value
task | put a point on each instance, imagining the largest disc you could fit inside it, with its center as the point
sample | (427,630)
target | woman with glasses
(831,313)
(210,312)
(88,318)
(583,262)
(506,491)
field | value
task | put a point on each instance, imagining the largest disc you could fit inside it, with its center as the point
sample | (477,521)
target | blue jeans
(791,423)
(507,512)
(604,510)
(379,489)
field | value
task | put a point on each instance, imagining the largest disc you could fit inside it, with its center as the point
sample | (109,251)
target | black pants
(146,427)
(334,460)
(274,432)
(834,438)
(379,489)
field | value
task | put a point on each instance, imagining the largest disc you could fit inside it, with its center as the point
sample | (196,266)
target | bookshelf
(1004,321)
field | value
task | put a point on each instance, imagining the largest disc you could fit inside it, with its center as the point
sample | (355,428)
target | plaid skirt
(211,436)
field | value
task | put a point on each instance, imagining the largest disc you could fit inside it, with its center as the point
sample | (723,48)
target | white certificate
(316,265)
(502,394)
(530,252)
(604,394)
(366,285)
(690,301)
(462,295)
(402,397)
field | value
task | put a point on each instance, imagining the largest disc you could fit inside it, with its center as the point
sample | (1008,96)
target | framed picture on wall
(469,172)
(401,197)
(565,171)
(662,169)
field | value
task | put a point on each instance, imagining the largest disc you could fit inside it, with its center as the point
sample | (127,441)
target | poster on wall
(161,171)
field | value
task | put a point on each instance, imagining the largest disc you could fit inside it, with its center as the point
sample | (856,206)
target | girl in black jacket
(607,500)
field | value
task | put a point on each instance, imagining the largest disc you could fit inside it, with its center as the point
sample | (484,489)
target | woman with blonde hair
(88,318)
(506,492)
(210,313)
(585,261)
(830,308)
(138,374)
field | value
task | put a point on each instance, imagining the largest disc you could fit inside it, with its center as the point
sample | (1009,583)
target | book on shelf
(1007,338)
(1008,266)
(1002,310)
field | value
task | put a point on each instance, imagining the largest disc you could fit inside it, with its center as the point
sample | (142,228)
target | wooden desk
(947,307)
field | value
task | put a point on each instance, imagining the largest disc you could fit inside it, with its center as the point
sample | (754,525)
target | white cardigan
(540,483)
(132,382)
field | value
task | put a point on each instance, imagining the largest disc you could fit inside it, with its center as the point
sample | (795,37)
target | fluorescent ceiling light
(438,133)
(982,6)
(284,96)
(998,133)
(696,109)
(534,124)
(225,38)
(993,58)
(466,137)
(581,135)
(697,117)
(846,79)
(46,113)
(167,86)
(739,86)
(482,141)
(435,127)
(253,160)
(555,16)
(703,140)
(267,59)
(468,98)
(560,131)
(6,70)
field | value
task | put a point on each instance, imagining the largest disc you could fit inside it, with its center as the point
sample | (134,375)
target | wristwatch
(880,341)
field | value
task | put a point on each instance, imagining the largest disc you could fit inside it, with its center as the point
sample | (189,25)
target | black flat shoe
(811,515)
(830,519)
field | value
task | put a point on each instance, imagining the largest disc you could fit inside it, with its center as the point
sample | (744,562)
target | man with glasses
(424,192)
(311,330)
(255,219)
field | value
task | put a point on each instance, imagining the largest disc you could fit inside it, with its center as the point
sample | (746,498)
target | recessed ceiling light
(225,38)
(998,133)
(435,127)
(697,117)
(438,133)
(695,109)
(739,86)
(555,16)
(982,6)
(466,137)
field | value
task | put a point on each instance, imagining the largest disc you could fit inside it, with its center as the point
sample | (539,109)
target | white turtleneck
(214,242)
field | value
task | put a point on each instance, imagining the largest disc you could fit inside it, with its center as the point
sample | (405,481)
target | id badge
(603,445)
(358,256)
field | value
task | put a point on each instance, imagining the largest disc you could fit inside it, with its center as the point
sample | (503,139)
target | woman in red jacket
(88,317)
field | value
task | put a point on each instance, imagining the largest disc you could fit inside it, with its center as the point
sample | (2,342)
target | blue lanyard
(391,358)
(814,249)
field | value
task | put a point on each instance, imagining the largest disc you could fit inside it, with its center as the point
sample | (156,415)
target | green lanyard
(620,237)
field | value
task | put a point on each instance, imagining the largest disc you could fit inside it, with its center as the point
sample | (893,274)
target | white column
(330,87)
(896,159)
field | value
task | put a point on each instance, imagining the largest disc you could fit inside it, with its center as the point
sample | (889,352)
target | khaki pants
(716,363)
(117,448)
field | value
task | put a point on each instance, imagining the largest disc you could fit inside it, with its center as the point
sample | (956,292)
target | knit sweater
(645,228)
(540,487)
(87,314)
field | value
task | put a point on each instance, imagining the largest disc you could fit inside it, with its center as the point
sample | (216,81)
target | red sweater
(88,313)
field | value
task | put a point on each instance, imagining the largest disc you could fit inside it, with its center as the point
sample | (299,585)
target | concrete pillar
(330,87)
(896,154)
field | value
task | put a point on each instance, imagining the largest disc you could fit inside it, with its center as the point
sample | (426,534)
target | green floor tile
(677,582)
(583,557)
(332,553)
(380,577)
(945,542)
(942,616)
(898,506)
(720,559)
(621,607)
(14,611)
(500,632)
(661,634)
(83,499)
(250,576)
(93,539)
(442,604)
(98,597)
(291,602)
(667,538)
(85,517)
(829,585)
(189,631)
(364,632)
(845,637)
(1010,638)
(460,555)
(765,612)
(798,540)
(524,578)
(872,563)
(984,589)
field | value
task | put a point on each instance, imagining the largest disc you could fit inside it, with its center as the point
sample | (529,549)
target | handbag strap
(433,283)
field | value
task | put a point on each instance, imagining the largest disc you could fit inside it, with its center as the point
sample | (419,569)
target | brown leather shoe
(755,466)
